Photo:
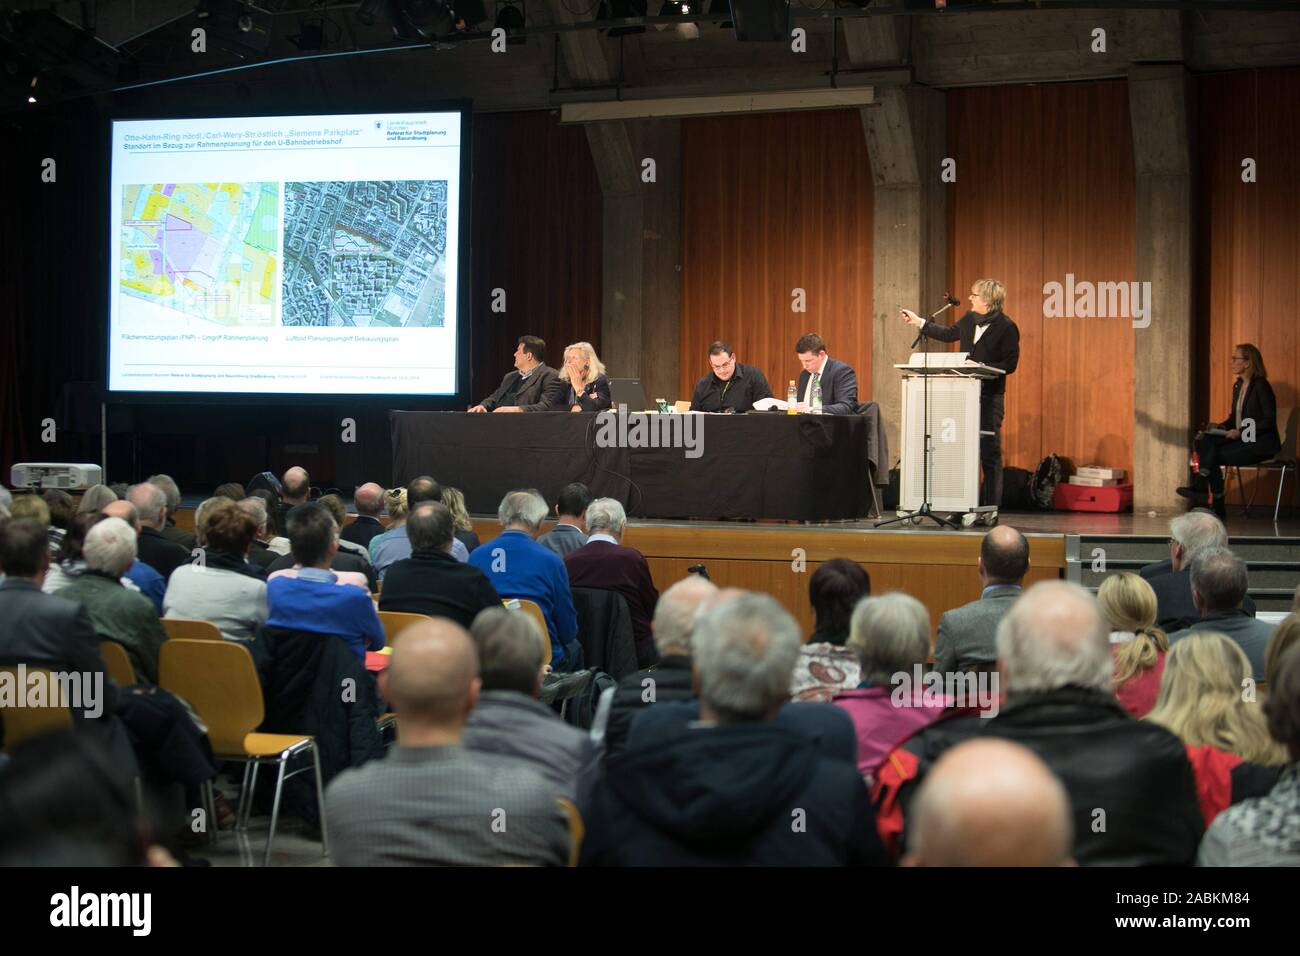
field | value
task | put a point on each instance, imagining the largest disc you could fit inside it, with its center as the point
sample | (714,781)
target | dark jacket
(739,393)
(593,398)
(740,795)
(605,627)
(828,729)
(314,684)
(186,539)
(468,538)
(966,635)
(162,555)
(1174,608)
(615,567)
(1260,407)
(1133,771)
(1250,634)
(343,561)
(435,583)
(839,388)
(261,556)
(999,346)
(362,529)
(542,391)
(669,681)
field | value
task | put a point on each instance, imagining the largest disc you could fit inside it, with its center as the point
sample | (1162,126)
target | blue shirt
(313,602)
(519,567)
(394,546)
(151,584)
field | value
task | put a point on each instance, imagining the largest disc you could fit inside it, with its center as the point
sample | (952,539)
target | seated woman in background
(62,508)
(94,499)
(454,499)
(395,506)
(825,667)
(273,537)
(584,373)
(1250,431)
(1203,700)
(1137,646)
(224,587)
(1283,637)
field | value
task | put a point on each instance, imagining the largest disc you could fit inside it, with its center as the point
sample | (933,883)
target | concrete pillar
(1160,102)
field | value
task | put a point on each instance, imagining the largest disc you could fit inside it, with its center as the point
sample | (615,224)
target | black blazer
(1174,607)
(594,397)
(1260,407)
(839,388)
(999,346)
(160,554)
(543,391)
(739,393)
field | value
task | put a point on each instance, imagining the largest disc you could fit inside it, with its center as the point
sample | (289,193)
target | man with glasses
(730,386)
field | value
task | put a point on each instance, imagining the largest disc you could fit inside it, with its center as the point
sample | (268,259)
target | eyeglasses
(724,366)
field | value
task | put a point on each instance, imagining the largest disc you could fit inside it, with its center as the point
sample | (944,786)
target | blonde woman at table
(584,374)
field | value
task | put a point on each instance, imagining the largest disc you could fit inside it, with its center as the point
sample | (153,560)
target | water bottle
(791,396)
(817,397)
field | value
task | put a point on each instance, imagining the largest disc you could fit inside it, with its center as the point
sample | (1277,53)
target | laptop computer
(629,392)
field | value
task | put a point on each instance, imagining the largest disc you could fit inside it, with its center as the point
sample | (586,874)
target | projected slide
(307,254)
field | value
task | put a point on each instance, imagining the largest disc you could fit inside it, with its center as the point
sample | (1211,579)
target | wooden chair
(1282,462)
(23,722)
(185,629)
(576,829)
(118,663)
(219,680)
(397,621)
(533,610)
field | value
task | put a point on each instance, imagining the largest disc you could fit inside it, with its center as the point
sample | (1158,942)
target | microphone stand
(925,510)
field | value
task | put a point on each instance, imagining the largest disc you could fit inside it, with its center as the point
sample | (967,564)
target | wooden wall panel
(1248,241)
(537,235)
(1045,187)
(771,203)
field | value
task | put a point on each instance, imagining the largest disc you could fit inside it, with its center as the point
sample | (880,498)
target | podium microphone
(948,304)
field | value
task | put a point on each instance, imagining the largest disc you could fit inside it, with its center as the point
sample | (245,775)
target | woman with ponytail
(1137,646)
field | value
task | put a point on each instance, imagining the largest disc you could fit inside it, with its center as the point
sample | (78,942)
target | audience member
(508,721)
(454,499)
(1054,671)
(967,634)
(394,545)
(312,600)
(170,530)
(570,531)
(1189,534)
(1286,634)
(118,614)
(258,552)
(518,567)
(737,788)
(671,679)
(62,508)
(1203,701)
(991,802)
(604,562)
(348,566)
(155,550)
(273,537)
(1265,831)
(221,585)
(834,590)
(295,489)
(431,581)
(94,499)
(139,576)
(31,507)
(1219,583)
(432,802)
(339,512)
(69,563)
(1137,646)
(369,502)
(890,635)
(230,489)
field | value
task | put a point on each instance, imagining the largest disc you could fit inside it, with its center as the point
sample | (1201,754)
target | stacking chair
(397,621)
(23,722)
(1282,462)
(576,829)
(219,681)
(533,610)
(118,663)
(185,629)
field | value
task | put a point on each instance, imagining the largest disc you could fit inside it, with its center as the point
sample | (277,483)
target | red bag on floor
(1112,498)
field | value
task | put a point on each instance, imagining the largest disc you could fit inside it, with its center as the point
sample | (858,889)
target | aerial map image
(205,250)
(365,253)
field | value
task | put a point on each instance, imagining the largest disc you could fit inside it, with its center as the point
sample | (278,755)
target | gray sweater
(235,602)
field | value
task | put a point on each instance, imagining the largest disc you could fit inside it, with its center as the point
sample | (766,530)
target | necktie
(812,389)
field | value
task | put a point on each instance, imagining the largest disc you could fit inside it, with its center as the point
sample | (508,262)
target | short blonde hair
(395,502)
(595,368)
(454,499)
(1128,603)
(993,292)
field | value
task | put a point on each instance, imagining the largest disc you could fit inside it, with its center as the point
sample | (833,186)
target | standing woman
(1249,433)
(584,373)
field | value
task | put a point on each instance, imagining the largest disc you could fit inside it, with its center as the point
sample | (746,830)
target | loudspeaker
(762,20)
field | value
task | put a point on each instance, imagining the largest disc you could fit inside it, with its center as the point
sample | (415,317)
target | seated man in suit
(1218,587)
(519,567)
(46,630)
(838,381)
(155,550)
(395,544)
(532,387)
(730,386)
(605,563)
(170,530)
(369,501)
(967,638)
(1189,534)
(431,801)
(431,581)
(569,533)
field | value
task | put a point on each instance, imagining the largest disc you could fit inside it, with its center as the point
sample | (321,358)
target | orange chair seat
(272,745)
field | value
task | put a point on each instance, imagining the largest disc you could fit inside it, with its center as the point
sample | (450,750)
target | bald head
(124,510)
(1053,637)
(150,503)
(297,484)
(432,678)
(369,499)
(675,614)
(1004,556)
(990,802)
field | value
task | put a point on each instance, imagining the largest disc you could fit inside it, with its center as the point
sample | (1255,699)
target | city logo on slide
(62,690)
(618,429)
(1098,300)
(77,909)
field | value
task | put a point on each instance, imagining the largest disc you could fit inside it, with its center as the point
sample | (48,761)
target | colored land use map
(204,250)
(365,253)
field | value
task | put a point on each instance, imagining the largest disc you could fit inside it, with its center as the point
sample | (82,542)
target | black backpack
(1042,487)
(580,711)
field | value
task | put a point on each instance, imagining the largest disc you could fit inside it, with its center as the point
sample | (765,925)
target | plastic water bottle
(817,397)
(791,396)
